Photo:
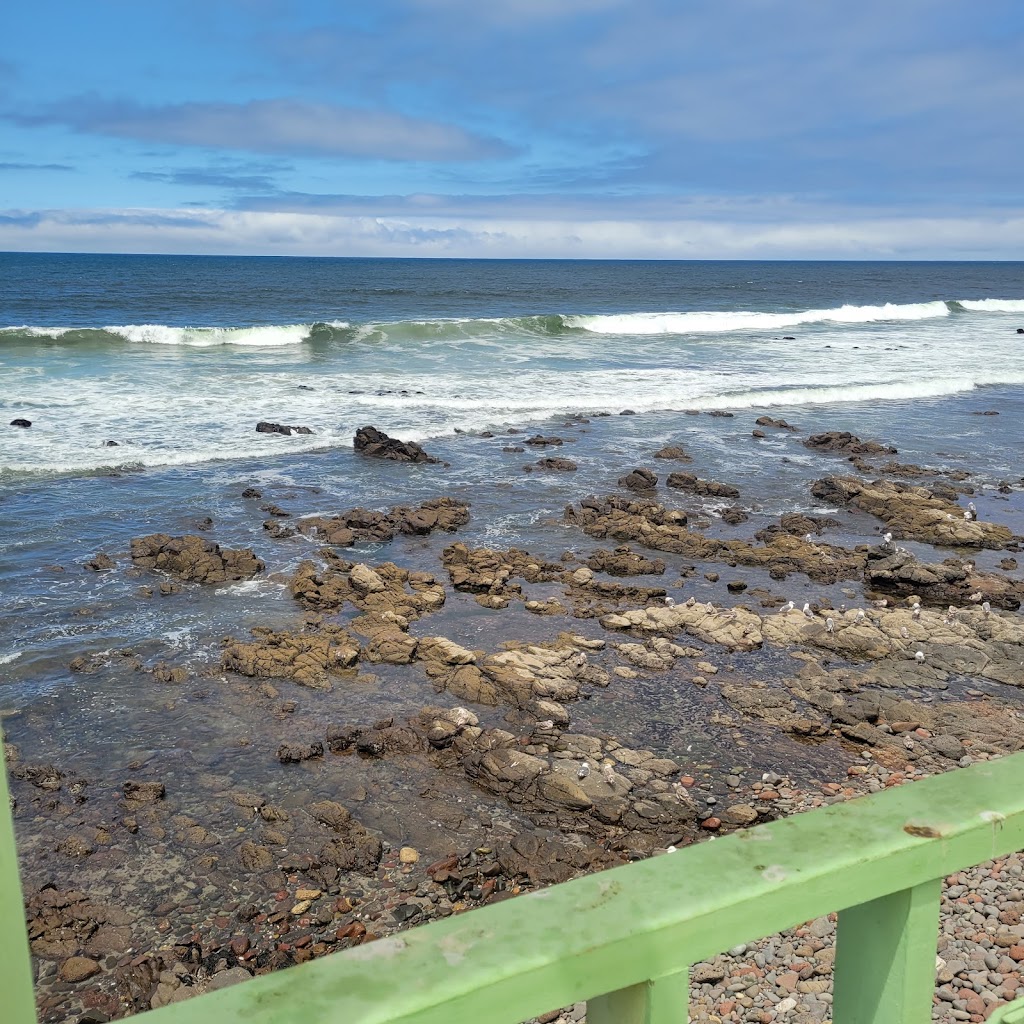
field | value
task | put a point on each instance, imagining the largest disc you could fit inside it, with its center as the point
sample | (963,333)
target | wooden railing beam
(658,1001)
(17,1000)
(885,958)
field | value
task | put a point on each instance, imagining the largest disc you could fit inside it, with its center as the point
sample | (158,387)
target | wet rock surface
(373,442)
(360,524)
(914,513)
(194,559)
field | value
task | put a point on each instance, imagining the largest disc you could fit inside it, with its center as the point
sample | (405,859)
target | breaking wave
(471,328)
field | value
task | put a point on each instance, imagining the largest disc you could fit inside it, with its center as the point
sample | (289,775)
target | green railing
(623,939)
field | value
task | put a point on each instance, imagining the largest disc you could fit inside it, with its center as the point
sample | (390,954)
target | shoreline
(541,649)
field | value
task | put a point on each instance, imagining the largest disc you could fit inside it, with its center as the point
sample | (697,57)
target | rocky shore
(491,773)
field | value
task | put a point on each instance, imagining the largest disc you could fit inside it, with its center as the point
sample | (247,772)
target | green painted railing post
(16,994)
(885,958)
(657,1001)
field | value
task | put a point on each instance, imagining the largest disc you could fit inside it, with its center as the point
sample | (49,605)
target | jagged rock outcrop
(307,658)
(345,529)
(842,442)
(263,427)
(374,442)
(913,513)
(624,562)
(654,526)
(384,589)
(488,573)
(703,488)
(194,559)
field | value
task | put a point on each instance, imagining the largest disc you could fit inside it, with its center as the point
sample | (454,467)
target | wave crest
(714,322)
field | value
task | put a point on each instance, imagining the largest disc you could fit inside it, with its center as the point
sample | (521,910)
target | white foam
(36,332)
(6,659)
(714,322)
(994,305)
(205,337)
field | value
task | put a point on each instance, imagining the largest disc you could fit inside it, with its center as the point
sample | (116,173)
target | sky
(712,129)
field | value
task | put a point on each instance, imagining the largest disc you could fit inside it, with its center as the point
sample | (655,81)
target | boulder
(371,441)
(193,558)
(639,480)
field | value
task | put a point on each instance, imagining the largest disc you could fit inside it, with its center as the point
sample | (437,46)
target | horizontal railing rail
(623,939)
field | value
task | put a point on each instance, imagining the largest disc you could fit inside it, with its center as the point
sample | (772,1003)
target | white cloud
(273,126)
(835,234)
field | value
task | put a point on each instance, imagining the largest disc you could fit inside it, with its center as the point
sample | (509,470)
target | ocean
(144,378)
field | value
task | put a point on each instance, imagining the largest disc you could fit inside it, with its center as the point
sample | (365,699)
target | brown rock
(78,968)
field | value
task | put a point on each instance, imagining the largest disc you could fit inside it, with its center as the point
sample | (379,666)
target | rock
(345,529)
(671,451)
(195,559)
(23,423)
(224,979)
(371,441)
(704,488)
(539,441)
(844,443)
(307,658)
(767,421)
(263,427)
(622,562)
(407,855)
(292,753)
(78,968)
(557,465)
(136,794)
(655,526)
(640,480)
(915,513)
(100,563)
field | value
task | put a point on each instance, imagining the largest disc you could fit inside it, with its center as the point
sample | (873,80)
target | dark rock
(100,563)
(558,465)
(263,427)
(720,414)
(19,422)
(539,441)
(514,449)
(672,451)
(623,562)
(639,480)
(292,753)
(734,515)
(345,529)
(627,412)
(767,421)
(371,441)
(111,444)
(251,492)
(845,443)
(704,488)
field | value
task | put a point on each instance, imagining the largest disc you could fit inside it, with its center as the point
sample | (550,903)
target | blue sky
(589,128)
